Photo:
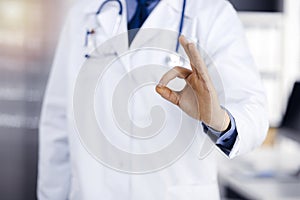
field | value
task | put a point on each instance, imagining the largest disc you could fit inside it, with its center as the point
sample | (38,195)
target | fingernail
(158,89)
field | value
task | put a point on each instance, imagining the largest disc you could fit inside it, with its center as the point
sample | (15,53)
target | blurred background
(29,31)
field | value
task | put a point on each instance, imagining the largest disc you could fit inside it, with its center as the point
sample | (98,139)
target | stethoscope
(171,60)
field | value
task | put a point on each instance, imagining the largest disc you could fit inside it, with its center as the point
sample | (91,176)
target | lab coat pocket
(193,192)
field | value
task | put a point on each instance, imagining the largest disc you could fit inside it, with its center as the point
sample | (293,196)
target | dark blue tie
(141,13)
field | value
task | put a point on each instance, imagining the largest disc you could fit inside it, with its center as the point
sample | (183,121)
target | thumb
(168,94)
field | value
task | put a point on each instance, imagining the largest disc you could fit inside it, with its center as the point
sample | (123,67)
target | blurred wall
(274,39)
(258,5)
(29,31)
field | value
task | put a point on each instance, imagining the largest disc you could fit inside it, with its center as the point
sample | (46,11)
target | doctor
(68,171)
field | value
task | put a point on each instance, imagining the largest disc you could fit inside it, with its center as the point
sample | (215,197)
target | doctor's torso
(189,177)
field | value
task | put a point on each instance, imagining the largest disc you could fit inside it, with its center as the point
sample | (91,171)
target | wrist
(220,122)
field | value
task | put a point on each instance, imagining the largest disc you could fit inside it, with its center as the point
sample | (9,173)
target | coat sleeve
(241,91)
(54,159)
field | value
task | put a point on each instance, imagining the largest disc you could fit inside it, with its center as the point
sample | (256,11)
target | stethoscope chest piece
(174,60)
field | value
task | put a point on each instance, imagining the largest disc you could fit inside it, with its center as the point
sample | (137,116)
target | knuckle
(176,68)
(190,45)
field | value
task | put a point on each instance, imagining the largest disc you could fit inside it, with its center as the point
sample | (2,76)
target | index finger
(176,72)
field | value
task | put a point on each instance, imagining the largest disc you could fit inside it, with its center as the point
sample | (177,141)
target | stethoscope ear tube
(92,31)
(107,1)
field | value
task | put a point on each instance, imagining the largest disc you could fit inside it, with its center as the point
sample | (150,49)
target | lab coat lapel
(166,15)
(161,17)
(106,21)
(107,18)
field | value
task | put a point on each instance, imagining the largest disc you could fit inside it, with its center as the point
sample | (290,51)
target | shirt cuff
(224,140)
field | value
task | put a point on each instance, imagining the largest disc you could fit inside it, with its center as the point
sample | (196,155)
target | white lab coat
(68,171)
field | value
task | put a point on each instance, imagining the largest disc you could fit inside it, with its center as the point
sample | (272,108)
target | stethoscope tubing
(120,13)
(181,24)
(107,1)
